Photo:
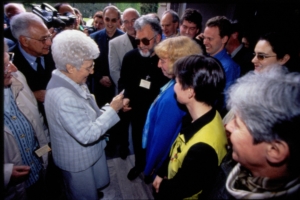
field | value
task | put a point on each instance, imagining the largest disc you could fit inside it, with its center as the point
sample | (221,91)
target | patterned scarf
(241,185)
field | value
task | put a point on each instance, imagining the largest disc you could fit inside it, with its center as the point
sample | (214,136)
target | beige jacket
(28,106)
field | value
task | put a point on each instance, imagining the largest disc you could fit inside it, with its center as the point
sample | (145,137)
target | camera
(52,18)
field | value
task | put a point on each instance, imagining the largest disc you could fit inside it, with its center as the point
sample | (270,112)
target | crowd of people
(210,117)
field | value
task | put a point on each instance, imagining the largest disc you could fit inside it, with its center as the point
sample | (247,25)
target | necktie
(40,69)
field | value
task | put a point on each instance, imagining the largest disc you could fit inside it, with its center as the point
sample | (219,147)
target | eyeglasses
(90,68)
(114,20)
(261,56)
(145,41)
(44,40)
(127,21)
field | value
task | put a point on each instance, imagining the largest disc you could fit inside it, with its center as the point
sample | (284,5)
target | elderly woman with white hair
(264,134)
(76,123)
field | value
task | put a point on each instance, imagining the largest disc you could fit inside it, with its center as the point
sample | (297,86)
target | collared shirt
(190,128)
(31,59)
(236,50)
(231,68)
(25,138)
(7,92)
(177,33)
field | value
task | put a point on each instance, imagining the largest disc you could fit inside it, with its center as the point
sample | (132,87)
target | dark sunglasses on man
(145,41)
(261,56)
(113,20)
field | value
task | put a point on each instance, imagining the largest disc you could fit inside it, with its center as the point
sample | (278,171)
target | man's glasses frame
(90,68)
(127,21)
(113,20)
(44,40)
(261,56)
(145,41)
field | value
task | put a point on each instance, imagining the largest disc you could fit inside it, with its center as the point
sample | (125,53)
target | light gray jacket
(76,123)
(118,47)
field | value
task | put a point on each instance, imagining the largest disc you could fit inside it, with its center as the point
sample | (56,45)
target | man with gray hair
(169,24)
(118,47)
(32,53)
(141,79)
(265,135)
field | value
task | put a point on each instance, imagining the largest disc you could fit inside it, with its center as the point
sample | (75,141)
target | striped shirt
(23,132)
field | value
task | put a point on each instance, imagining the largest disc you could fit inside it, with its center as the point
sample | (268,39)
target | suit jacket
(118,47)
(76,124)
(34,81)
(135,68)
(101,63)
(243,58)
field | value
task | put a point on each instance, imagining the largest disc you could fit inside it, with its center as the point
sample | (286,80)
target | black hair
(204,74)
(194,16)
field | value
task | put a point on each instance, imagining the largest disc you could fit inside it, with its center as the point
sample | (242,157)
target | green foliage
(89,9)
(148,8)
(123,6)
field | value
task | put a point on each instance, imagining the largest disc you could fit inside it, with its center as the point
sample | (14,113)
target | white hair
(73,47)
(265,101)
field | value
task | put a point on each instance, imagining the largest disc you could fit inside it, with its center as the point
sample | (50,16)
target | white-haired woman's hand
(117,102)
(156,183)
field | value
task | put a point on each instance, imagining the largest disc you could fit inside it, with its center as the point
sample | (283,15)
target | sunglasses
(145,41)
(114,20)
(261,56)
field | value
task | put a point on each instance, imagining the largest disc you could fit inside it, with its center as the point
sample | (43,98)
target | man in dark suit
(239,53)
(33,58)
(118,47)
(32,53)
(104,86)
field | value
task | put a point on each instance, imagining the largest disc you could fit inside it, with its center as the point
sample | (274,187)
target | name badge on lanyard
(43,150)
(145,83)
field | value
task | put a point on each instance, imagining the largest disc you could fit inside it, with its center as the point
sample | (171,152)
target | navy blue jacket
(101,63)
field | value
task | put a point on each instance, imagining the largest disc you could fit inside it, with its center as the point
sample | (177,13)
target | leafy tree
(149,8)
(123,6)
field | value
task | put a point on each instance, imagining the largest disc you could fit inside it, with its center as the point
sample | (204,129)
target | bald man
(169,24)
